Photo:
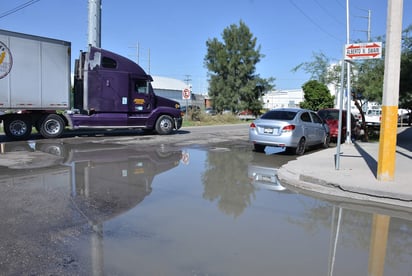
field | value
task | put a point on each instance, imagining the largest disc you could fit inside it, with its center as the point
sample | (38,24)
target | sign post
(186,96)
(353,51)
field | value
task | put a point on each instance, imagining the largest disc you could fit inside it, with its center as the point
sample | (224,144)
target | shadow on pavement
(370,161)
(404,139)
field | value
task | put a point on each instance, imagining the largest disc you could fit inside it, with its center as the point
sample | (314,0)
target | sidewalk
(356,177)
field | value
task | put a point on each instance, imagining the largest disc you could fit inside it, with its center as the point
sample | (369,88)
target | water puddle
(121,210)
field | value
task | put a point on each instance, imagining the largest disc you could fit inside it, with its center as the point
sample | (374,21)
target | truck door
(142,98)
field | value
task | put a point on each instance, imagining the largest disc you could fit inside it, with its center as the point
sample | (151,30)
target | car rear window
(375,112)
(279,115)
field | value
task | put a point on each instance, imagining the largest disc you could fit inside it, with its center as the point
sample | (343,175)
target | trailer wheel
(164,125)
(17,127)
(52,126)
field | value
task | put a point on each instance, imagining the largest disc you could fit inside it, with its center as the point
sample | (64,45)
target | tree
(369,79)
(316,96)
(233,83)
(321,70)
(318,68)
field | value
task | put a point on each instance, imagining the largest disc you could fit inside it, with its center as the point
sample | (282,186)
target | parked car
(331,117)
(373,117)
(404,116)
(210,111)
(246,115)
(294,129)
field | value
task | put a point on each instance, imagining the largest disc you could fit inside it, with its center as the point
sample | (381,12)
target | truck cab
(111,91)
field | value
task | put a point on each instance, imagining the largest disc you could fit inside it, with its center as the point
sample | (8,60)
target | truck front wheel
(17,127)
(164,125)
(52,126)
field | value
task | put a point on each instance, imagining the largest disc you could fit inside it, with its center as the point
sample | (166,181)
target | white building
(282,98)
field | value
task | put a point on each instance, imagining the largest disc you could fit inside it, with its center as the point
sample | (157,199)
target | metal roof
(164,83)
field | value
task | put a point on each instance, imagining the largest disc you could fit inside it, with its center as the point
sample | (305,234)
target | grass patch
(202,119)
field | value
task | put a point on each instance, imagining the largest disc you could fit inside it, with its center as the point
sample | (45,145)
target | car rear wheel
(326,141)
(300,149)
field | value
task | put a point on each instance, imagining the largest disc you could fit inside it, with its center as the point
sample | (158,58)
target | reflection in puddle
(120,210)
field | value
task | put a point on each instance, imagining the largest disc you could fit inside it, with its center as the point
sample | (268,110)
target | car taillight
(334,122)
(252,125)
(288,128)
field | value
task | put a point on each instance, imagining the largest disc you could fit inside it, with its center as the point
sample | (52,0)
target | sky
(171,35)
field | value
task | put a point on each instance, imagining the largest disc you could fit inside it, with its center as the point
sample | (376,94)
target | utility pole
(368,31)
(148,63)
(389,124)
(137,52)
(348,87)
(187,79)
(95,23)
(369,25)
(137,47)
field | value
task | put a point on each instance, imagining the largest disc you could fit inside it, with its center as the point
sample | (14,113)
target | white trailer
(35,80)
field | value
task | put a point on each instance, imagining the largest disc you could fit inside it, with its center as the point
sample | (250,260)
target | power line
(20,7)
(313,22)
(328,13)
(340,4)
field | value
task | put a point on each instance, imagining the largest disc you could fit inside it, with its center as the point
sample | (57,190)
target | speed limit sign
(186,94)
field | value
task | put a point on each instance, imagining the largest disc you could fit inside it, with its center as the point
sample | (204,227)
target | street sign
(186,94)
(370,50)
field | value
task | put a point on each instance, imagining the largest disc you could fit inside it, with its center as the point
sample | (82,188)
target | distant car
(404,116)
(246,115)
(294,129)
(210,111)
(331,117)
(373,117)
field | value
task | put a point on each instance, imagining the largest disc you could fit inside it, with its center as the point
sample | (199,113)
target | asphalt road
(209,134)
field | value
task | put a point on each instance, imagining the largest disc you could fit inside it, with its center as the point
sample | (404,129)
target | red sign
(363,50)
(186,94)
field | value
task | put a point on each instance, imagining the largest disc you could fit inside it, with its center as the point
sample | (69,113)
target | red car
(331,117)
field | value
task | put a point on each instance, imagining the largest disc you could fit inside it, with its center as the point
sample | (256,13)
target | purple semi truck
(109,91)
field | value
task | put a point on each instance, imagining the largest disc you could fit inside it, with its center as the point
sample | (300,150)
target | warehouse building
(172,89)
